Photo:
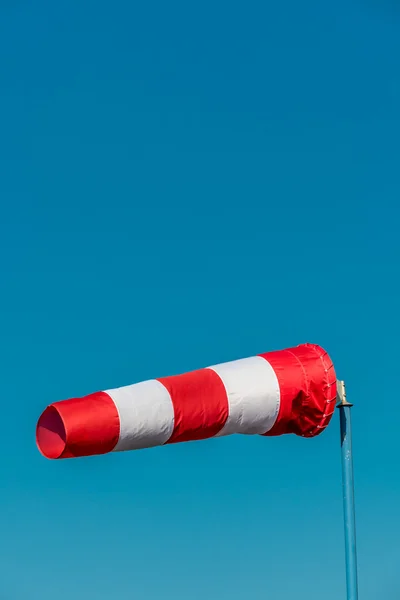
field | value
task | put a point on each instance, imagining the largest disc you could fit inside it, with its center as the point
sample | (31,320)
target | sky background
(181,184)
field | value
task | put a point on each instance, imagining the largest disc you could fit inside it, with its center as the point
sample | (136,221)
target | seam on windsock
(326,410)
(227,400)
(306,395)
(282,413)
(328,387)
(119,419)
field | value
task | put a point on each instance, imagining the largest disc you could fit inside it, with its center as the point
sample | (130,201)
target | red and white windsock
(288,391)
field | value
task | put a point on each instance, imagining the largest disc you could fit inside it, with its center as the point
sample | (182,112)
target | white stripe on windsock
(252,389)
(146,415)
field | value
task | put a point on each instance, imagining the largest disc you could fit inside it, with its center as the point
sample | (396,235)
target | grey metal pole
(348,492)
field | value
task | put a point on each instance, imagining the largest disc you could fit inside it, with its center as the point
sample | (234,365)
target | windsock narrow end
(78,427)
(50,433)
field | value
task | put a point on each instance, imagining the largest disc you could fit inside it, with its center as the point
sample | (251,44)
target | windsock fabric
(287,391)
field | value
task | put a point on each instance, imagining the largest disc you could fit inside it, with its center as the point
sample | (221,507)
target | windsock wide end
(307,382)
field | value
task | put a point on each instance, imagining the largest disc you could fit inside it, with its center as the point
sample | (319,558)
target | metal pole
(348,493)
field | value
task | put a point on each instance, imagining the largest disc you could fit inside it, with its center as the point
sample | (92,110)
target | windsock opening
(78,427)
(50,433)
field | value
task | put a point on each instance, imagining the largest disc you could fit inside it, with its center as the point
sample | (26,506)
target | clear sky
(181,184)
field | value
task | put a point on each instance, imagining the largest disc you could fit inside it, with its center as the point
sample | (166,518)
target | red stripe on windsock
(200,405)
(307,383)
(78,427)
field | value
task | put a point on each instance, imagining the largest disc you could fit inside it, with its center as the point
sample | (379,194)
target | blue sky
(183,184)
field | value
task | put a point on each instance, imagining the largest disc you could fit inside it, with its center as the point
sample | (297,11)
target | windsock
(281,392)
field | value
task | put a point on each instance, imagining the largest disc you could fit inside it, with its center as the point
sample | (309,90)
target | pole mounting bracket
(341,394)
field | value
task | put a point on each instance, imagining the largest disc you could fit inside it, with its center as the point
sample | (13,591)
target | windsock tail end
(78,427)
(50,433)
